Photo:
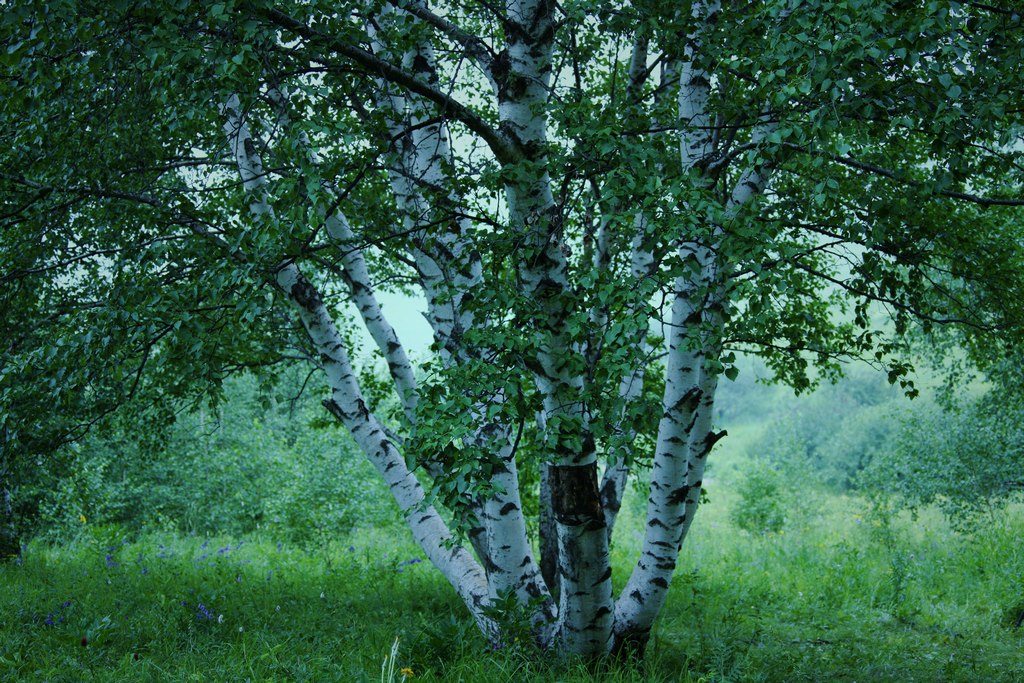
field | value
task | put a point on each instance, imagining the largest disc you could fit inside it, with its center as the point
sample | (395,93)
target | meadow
(843,591)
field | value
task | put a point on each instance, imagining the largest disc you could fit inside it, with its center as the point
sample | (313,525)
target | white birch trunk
(357,278)
(673,475)
(584,624)
(450,269)
(347,403)
(686,434)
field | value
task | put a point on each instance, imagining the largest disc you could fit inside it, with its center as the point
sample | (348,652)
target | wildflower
(220,618)
(406,672)
(351,548)
(81,518)
(322,595)
(110,561)
(202,613)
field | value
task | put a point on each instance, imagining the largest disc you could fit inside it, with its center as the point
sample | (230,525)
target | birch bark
(523,82)
(347,402)
(450,269)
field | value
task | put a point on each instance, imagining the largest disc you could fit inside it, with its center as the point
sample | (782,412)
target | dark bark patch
(660,582)
(678,496)
(305,295)
(575,497)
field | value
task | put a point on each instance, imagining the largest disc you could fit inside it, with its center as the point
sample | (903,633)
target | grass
(840,595)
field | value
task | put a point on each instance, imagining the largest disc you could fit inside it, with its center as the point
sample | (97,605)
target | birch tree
(600,203)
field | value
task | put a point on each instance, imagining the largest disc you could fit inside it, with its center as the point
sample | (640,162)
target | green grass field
(841,594)
(838,596)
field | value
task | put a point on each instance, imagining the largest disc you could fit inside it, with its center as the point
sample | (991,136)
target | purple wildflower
(110,561)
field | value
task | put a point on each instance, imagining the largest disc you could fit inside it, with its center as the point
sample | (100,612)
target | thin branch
(893,175)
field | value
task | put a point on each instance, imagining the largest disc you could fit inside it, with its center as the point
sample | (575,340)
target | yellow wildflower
(406,672)
(81,518)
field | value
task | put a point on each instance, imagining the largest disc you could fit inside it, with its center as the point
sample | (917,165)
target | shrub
(763,501)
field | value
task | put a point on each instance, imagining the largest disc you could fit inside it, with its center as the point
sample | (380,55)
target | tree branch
(475,47)
(893,175)
(503,149)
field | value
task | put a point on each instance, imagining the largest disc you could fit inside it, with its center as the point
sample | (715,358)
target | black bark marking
(604,577)
(678,496)
(688,402)
(305,295)
(659,581)
(711,439)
